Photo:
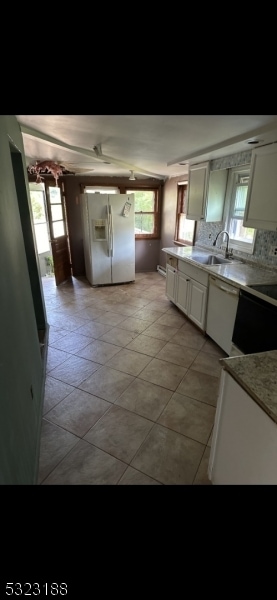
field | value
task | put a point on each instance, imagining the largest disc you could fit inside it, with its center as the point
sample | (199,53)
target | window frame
(156,212)
(182,203)
(232,184)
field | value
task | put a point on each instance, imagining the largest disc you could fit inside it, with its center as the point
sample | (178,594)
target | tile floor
(131,387)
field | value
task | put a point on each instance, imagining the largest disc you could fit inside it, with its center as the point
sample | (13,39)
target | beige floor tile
(54,392)
(68,322)
(55,333)
(99,351)
(171,320)
(134,477)
(129,362)
(144,387)
(189,338)
(107,383)
(178,355)
(91,312)
(161,332)
(163,373)
(120,433)
(87,465)
(74,370)
(207,363)
(119,337)
(146,345)
(133,324)
(190,417)
(55,443)
(55,357)
(72,308)
(94,330)
(161,306)
(122,310)
(148,314)
(201,477)
(110,318)
(145,399)
(150,295)
(71,342)
(135,301)
(212,348)
(200,386)
(78,412)
(169,457)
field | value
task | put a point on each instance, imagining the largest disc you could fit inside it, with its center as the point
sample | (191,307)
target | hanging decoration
(46,166)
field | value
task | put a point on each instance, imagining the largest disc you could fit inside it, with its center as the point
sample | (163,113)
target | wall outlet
(273,251)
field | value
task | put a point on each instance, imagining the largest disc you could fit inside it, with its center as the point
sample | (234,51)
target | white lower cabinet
(197,303)
(171,274)
(244,442)
(186,286)
(182,292)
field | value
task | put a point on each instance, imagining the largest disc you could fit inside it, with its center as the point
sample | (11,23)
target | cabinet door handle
(187,279)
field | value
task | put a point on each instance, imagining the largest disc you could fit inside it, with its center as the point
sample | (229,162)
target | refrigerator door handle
(108,231)
(111,230)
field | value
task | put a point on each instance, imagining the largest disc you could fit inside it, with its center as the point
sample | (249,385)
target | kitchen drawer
(172,261)
(193,272)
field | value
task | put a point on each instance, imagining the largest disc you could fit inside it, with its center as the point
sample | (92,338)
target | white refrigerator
(108,237)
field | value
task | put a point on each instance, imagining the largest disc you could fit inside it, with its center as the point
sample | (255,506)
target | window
(39,215)
(146,213)
(241,238)
(56,208)
(185,228)
(93,189)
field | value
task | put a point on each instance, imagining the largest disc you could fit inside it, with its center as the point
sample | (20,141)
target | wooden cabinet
(187,286)
(261,201)
(244,443)
(206,193)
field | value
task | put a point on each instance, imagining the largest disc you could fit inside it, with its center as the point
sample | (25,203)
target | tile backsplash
(264,239)
(263,243)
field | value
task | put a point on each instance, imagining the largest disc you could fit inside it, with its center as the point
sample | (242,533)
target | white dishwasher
(221,312)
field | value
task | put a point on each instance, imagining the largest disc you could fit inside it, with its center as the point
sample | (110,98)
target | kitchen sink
(212,259)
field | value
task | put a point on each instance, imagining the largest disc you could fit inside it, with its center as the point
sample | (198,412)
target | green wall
(22,313)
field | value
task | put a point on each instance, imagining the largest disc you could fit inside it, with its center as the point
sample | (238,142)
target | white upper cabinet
(206,193)
(261,201)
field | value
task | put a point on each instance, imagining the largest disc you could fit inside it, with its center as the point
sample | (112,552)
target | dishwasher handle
(221,286)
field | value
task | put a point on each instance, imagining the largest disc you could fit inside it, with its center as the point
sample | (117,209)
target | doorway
(51,231)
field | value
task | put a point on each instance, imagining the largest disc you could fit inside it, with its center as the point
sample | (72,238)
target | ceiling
(148,145)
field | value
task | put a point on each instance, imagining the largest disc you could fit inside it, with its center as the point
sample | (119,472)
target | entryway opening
(51,231)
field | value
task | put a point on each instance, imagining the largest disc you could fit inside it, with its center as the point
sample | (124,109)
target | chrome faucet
(227,251)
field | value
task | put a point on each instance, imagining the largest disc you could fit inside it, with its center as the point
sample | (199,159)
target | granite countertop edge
(263,387)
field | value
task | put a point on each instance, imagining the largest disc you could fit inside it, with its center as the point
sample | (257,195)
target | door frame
(50,182)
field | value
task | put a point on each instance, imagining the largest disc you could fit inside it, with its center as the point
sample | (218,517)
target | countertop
(257,375)
(238,273)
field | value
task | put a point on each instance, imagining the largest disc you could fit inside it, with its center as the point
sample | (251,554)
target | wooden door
(58,232)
